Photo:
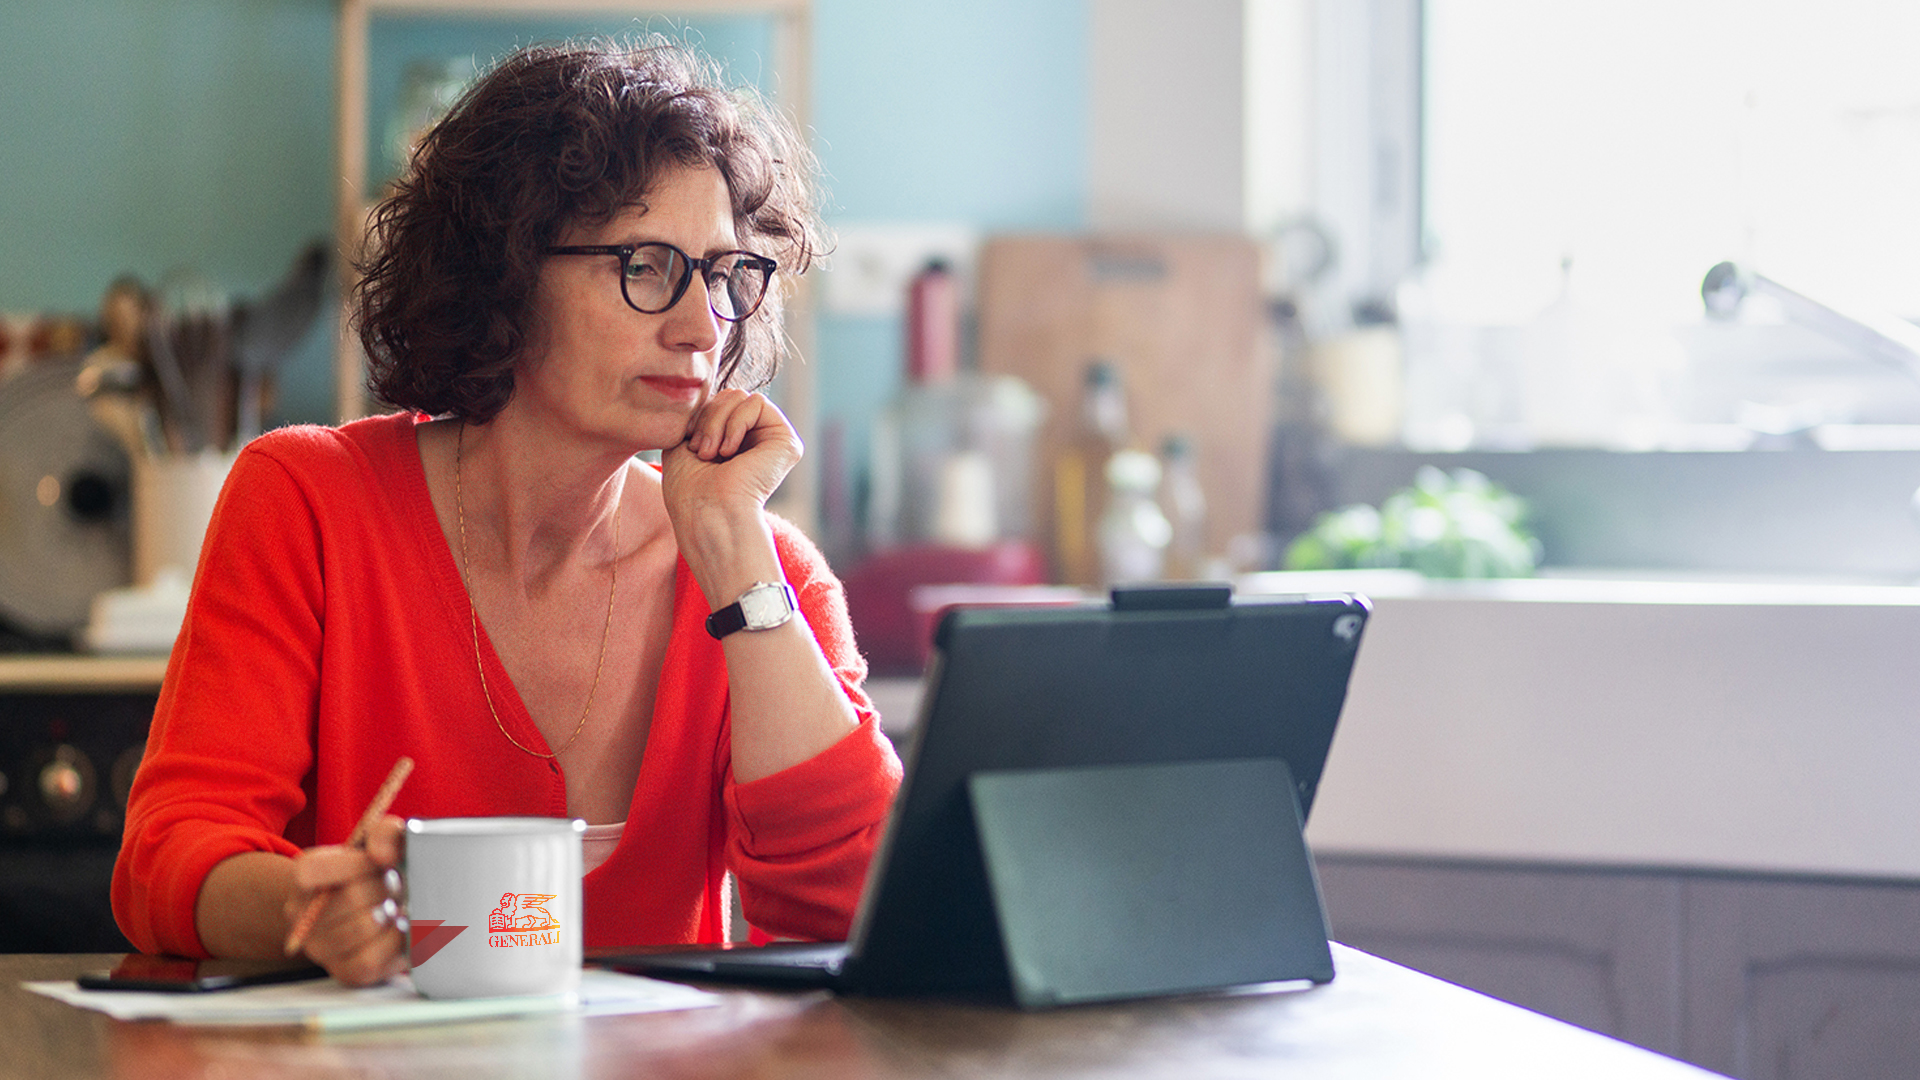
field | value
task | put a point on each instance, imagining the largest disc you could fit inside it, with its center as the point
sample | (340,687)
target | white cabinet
(1762,977)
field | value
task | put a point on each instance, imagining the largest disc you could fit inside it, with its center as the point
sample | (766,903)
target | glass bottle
(1079,484)
(1134,533)
(953,450)
(919,431)
(1184,502)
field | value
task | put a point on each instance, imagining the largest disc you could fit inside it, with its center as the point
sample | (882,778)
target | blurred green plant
(1455,524)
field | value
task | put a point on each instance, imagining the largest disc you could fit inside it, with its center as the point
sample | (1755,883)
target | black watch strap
(763,606)
(727,620)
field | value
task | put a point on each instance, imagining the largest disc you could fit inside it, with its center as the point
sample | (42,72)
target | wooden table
(1376,1020)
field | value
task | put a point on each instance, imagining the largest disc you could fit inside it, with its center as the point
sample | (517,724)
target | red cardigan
(328,634)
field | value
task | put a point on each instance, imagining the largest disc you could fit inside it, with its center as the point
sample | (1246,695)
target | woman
(579,266)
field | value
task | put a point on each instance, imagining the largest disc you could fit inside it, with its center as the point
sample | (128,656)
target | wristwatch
(765,605)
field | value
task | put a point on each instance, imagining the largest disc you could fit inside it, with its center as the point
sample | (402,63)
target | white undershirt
(597,843)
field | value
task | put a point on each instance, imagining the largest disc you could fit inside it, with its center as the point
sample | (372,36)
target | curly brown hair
(552,137)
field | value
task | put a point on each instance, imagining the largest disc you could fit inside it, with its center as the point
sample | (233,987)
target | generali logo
(522,919)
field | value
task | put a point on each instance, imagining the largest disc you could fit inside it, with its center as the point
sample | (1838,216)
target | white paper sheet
(325,1005)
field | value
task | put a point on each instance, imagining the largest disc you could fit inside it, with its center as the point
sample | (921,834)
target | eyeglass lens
(657,274)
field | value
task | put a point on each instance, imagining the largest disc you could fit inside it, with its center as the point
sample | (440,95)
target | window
(1584,164)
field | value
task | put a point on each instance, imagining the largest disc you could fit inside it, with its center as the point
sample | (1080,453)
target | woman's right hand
(360,936)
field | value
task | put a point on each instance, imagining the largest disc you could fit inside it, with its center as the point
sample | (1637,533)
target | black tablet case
(1136,880)
(1037,690)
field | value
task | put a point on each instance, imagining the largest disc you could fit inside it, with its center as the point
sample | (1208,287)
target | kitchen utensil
(266,330)
(112,388)
(189,345)
(114,381)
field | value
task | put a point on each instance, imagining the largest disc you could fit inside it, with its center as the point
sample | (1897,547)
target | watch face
(765,608)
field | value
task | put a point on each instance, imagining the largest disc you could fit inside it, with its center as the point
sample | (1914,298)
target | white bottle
(1134,534)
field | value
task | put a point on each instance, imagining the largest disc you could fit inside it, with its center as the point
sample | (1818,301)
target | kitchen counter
(1743,726)
(79,673)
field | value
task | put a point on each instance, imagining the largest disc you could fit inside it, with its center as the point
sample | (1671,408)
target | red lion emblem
(520,912)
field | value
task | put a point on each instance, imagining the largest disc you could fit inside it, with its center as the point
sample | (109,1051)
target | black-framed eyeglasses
(654,276)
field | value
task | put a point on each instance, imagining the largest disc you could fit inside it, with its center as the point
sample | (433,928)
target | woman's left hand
(739,447)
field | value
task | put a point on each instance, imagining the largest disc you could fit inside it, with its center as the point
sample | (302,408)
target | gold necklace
(473,616)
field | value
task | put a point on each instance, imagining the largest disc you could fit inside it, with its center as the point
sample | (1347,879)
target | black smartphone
(176,975)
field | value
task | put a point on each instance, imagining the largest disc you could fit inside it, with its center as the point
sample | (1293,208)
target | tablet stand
(1138,880)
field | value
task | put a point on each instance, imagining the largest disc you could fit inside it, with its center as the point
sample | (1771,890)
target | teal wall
(139,135)
(136,135)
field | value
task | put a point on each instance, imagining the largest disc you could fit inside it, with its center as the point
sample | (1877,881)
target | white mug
(493,905)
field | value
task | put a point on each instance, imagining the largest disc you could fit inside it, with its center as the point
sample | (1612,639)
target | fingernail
(385,912)
(392,878)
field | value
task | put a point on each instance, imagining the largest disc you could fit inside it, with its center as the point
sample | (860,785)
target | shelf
(80,674)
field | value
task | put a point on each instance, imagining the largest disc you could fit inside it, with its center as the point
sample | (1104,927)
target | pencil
(382,800)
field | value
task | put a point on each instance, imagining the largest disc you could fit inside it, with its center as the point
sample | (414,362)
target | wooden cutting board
(1178,315)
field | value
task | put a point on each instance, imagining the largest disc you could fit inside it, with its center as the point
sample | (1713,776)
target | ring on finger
(385,912)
